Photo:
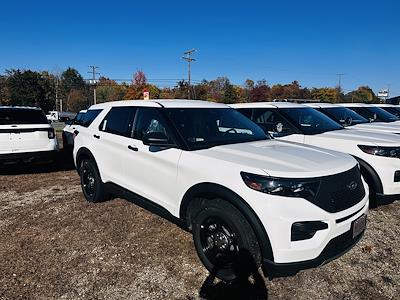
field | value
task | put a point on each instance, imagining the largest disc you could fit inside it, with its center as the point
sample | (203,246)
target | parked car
(69,129)
(377,153)
(60,116)
(242,194)
(26,136)
(349,118)
(390,108)
(372,113)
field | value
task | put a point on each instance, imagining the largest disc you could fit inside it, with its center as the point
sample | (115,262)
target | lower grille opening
(306,230)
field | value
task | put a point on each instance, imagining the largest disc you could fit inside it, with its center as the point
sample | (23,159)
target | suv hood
(379,126)
(359,137)
(283,159)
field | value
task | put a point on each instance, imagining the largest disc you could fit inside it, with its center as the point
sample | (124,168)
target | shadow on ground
(249,283)
(63,162)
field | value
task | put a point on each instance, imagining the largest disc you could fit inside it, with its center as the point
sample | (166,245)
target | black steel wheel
(92,186)
(222,237)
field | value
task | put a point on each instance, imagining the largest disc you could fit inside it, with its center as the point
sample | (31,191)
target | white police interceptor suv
(26,136)
(349,118)
(377,153)
(245,197)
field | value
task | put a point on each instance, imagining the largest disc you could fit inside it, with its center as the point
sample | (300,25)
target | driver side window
(270,120)
(148,120)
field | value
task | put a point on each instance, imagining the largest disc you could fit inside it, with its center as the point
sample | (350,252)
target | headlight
(300,188)
(381,151)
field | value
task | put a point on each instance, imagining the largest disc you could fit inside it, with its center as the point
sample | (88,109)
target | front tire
(225,241)
(92,187)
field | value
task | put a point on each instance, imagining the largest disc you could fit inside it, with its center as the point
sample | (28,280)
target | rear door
(110,144)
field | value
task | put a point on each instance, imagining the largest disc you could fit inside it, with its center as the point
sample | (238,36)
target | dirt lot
(53,244)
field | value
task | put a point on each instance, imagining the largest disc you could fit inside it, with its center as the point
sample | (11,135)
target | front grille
(340,191)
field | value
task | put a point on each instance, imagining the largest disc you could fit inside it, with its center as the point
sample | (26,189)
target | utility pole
(339,75)
(94,73)
(188,57)
(340,80)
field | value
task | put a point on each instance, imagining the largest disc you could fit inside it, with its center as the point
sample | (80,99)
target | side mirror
(278,127)
(348,121)
(157,139)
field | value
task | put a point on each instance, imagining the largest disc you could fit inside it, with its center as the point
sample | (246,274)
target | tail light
(51,133)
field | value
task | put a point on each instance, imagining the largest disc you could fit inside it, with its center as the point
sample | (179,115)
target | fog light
(306,230)
(397,176)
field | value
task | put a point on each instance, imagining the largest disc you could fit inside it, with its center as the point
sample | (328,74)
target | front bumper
(28,157)
(334,249)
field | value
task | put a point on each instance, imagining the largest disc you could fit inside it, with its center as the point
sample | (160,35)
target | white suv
(26,136)
(68,134)
(373,113)
(245,197)
(377,153)
(349,118)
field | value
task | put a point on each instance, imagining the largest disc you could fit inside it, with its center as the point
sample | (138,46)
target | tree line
(42,89)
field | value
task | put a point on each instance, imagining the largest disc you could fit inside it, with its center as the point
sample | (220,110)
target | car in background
(26,136)
(349,118)
(69,129)
(377,153)
(248,200)
(390,108)
(372,113)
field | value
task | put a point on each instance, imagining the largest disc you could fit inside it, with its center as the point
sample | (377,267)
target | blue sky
(280,41)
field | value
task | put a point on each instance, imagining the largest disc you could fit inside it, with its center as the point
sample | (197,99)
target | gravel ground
(53,244)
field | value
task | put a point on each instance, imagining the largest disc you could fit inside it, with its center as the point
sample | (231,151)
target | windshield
(207,127)
(375,114)
(18,116)
(393,110)
(310,121)
(344,115)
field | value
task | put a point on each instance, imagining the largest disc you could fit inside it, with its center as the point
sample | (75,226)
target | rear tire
(225,241)
(92,186)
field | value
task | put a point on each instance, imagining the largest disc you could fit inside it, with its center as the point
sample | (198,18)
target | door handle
(96,136)
(133,148)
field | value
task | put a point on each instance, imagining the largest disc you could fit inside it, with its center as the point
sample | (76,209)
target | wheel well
(211,191)
(370,175)
(82,154)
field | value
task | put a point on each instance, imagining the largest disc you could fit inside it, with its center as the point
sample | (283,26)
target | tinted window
(245,111)
(79,118)
(119,121)
(392,110)
(148,120)
(207,127)
(344,115)
(10,116)
(310,121)
(375,114)
(269,119)
(89,117)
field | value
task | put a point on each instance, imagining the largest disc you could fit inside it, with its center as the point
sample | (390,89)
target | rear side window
(119,121)
(15,116)
(89,117)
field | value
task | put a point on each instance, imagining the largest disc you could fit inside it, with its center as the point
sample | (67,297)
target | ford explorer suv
(68,134)
(377,153)
(207,167)
(390,108)
(373,113)
(26,136)
(349,118)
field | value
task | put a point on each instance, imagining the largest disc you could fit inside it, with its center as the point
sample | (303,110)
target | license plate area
(358,225)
